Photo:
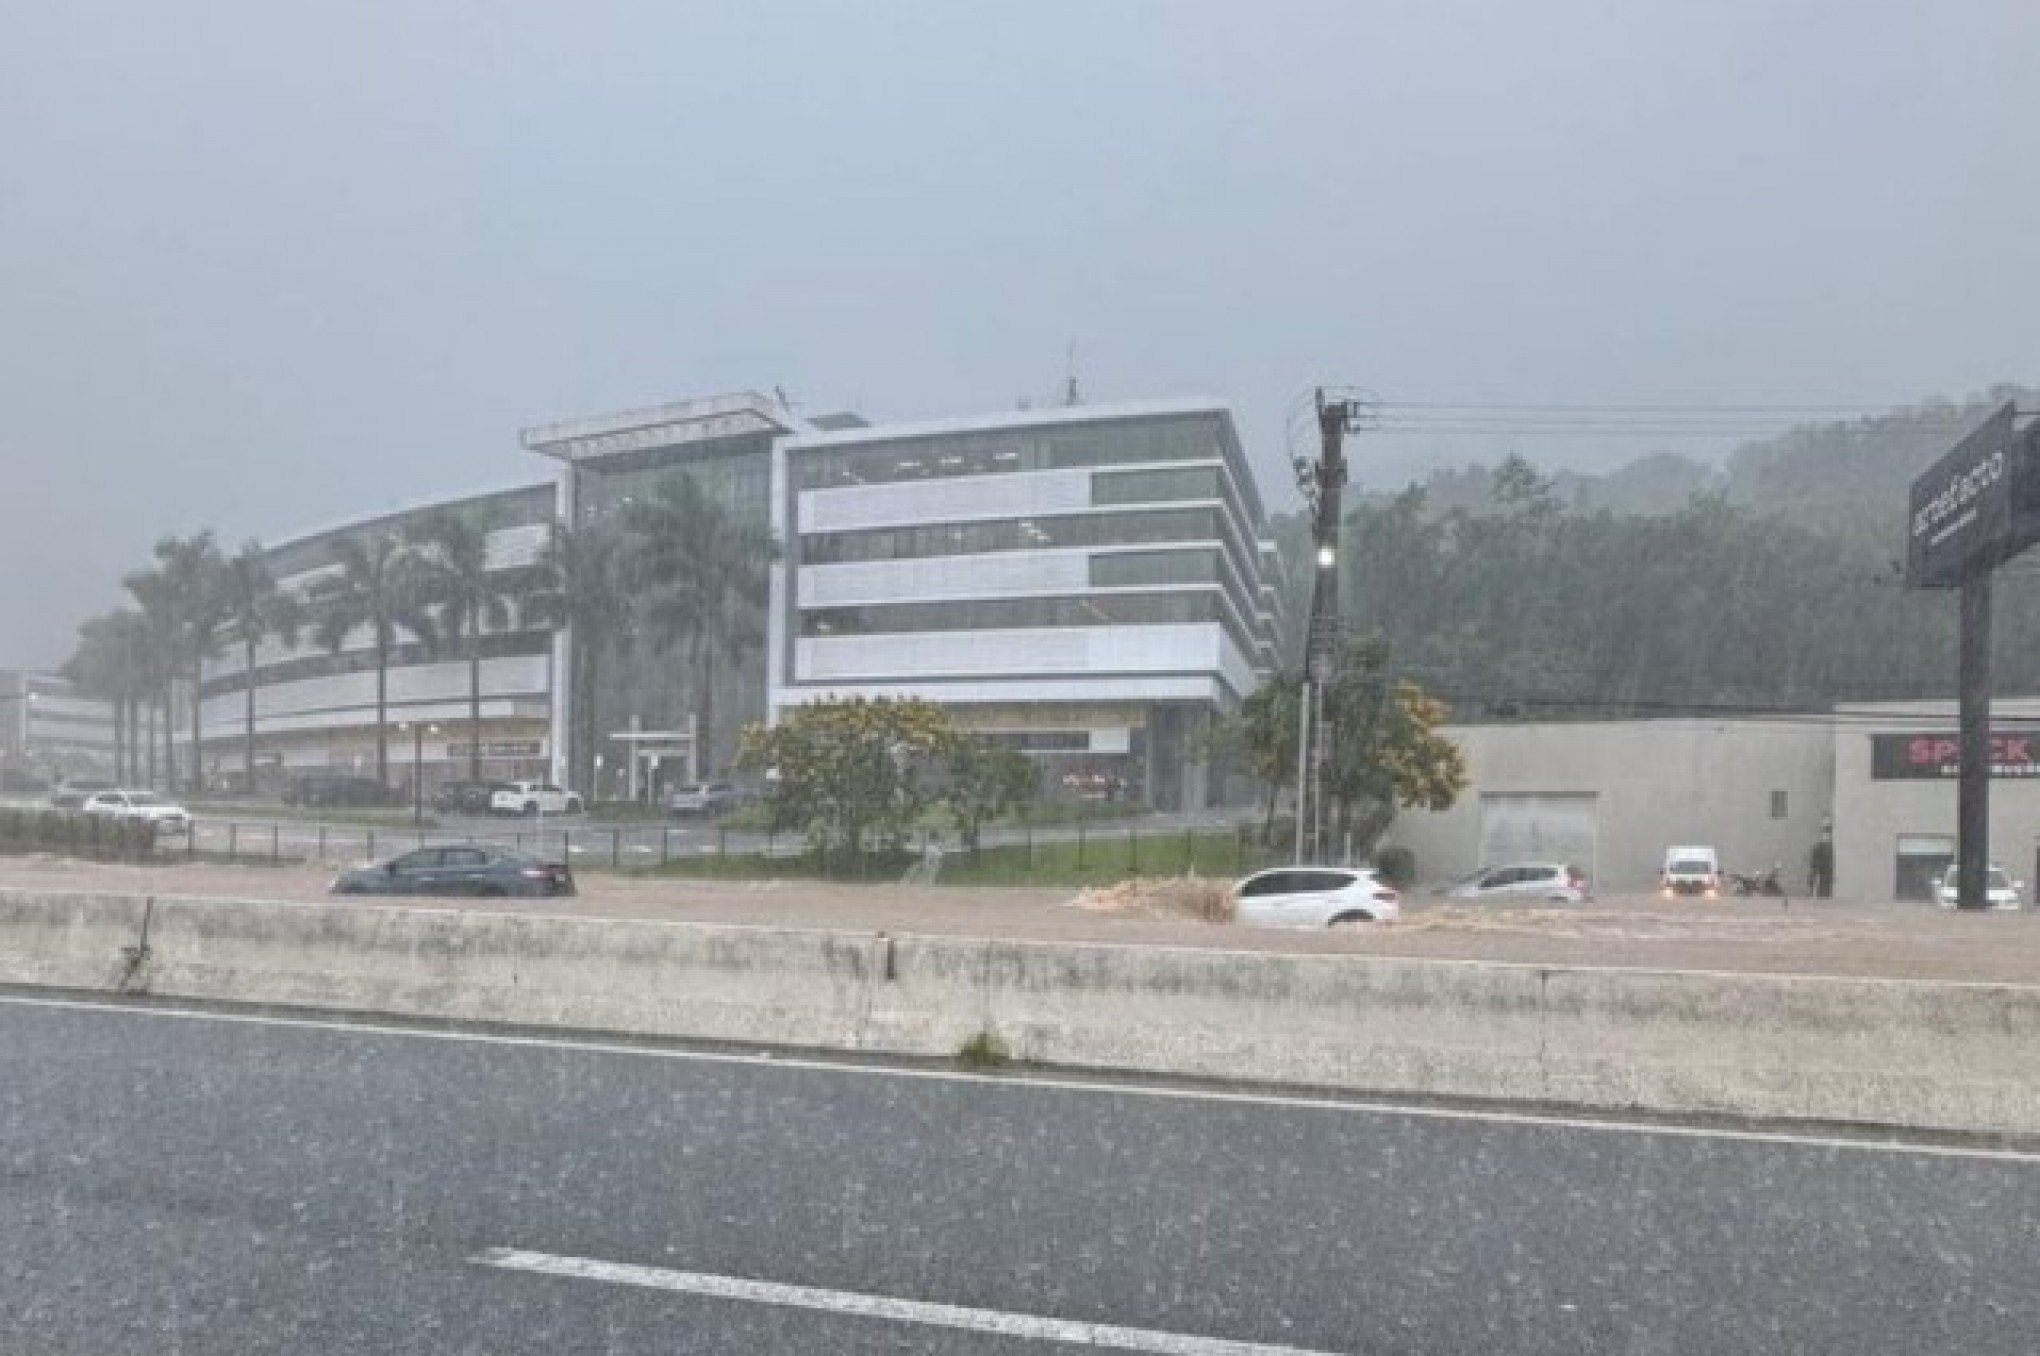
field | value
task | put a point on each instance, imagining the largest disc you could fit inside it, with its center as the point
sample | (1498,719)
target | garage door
(1538,828)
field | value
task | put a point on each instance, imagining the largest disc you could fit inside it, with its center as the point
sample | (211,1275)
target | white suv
(144,805)
(1315,897)
(533,798)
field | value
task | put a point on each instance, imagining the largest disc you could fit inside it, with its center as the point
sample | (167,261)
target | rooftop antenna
(1071,396)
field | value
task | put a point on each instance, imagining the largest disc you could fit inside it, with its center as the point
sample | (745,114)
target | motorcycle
(1766,883)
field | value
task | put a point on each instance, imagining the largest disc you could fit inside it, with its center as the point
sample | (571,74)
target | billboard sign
(1976,507)
(1937,756)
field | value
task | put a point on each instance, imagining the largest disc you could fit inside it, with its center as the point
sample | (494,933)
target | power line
(1619,408)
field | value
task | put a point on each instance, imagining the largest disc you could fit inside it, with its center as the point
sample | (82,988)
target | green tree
(1384,748)
(457,598)
(580,590)
(701,578)
(1264,732)
(255,609)
(850,772)
(372,588)
(987,778)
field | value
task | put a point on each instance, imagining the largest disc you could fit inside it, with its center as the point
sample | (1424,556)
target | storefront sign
(1937,756)
(1976,507)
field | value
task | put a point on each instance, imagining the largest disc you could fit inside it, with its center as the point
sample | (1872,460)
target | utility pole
(1972,791)
(1323,484)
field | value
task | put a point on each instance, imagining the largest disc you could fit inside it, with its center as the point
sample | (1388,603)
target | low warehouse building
(1611,796)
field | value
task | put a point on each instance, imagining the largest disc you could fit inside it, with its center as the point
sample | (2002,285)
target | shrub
(70,833)
(1397,865)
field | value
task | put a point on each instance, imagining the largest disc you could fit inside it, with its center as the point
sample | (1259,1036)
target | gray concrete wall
(1950,1057)
(1658,783)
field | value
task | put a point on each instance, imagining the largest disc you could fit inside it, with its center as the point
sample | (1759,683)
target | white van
(1691,871)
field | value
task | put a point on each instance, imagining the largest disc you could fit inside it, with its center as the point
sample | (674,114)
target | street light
(418,732)
(1326,557)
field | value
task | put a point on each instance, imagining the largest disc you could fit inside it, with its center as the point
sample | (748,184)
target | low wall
(1930,1056)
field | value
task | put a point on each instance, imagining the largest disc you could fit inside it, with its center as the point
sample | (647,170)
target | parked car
(533,798)
(168,817)
(459,870)
(73,795)
(465,798)
(325,791)
(2000,891)
(702,800)
(1691,871)
(1556,882)
(1314,897)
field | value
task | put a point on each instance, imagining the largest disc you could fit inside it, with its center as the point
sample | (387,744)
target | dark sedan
(486,872)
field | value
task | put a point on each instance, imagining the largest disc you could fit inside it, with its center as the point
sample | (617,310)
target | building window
(1777,805)
(987,452)
(1145,487)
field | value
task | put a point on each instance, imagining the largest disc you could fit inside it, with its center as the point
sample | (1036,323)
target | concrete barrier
(739,984)
(1930,1056)
(70,941)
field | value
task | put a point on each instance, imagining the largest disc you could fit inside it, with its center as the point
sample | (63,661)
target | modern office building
(49,733)
(315,706)
(1090,583)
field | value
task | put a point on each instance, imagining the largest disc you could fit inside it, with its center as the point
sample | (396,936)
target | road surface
(209,1182)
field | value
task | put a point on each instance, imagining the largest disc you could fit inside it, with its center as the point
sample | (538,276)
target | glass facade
(1005,614)
(1131,528)
(520,507)
(643,682)
(1193,437)
(1149,487)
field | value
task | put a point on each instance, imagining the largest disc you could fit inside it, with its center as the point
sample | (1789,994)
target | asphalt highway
(194,1182)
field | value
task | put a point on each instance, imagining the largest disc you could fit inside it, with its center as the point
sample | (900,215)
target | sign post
(1974,509)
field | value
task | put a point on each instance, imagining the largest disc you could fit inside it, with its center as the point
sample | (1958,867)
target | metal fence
(1115,848)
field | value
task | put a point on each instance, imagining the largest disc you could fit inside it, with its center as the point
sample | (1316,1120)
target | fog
(266,267)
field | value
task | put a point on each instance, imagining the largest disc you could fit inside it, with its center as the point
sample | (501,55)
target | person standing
(1820,869)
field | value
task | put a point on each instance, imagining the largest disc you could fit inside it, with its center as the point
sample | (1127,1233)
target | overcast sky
(265,266)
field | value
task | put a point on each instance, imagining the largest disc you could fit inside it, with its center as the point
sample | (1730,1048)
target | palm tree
(180,606)
(702,578)
(256,609)
(460,597)
(581,592)
(108,664)
(160,619)
(372,588)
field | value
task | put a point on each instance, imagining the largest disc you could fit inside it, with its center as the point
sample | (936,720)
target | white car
(533,798)
(1691,871)
(2000,891)
(1555,882)
(167,816)
(1314,897)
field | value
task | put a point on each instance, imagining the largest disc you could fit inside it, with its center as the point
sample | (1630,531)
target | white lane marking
(1022,1081)
(860,1305)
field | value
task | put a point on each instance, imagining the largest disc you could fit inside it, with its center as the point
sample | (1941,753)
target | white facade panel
(980,691)
(997,574)
(1035,650)
(910,503)
(449,715)
(514,675)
